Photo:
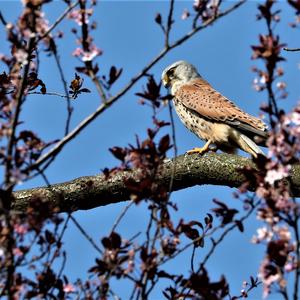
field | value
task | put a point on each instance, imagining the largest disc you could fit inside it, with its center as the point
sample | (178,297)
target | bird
(210,115)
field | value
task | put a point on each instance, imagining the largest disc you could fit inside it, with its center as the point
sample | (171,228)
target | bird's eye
(171,73)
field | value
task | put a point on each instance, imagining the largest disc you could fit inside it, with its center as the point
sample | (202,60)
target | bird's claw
(198,150)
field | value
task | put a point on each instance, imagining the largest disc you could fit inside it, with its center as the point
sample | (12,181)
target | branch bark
(93,191)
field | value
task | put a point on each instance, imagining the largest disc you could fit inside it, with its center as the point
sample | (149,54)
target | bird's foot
(199,150)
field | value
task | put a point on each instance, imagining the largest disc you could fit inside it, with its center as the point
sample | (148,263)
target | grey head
(178,73)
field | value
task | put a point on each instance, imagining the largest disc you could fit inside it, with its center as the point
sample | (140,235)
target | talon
(198,150)
(202,150)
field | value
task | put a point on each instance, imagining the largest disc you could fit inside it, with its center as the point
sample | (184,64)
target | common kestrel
(210,115)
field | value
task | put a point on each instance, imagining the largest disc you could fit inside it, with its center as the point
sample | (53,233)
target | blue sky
(129,38)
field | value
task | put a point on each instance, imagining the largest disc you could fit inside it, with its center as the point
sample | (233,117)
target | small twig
(84,233)
(292,49)
(169,24)
(224,234)
(65,85)
(97,83)
(57,21)
(247,291)
(85,46)
(297,270)
(48,94)
(174,145)
(192,259)
(120,217)
(55,150)
(2,19)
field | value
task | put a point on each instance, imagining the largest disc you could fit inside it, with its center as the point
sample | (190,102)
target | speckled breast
(193,121)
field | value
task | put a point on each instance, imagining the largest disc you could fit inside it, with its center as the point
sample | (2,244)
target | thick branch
(93,191)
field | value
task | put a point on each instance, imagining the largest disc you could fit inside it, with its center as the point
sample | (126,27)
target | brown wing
(201,98)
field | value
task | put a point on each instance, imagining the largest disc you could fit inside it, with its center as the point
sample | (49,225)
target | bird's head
(178,72)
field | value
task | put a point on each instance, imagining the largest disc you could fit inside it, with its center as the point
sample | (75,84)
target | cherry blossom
(274,175)
(69,288)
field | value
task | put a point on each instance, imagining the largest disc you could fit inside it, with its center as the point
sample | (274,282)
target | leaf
(118,152)
(240,225)
(84,90)
(223,205)
(114,74)
(106,242)
(208,219)
(158,19)
(164,144)
(164,274)
(115,240)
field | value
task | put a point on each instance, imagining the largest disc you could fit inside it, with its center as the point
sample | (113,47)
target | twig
(124,211)
(48,94)
(292,49)
(55,150)
(224,234)
(65,85)
(192,258)
(85,46)
(2,19)
(247,291)
(57,21)
(169,24)
(297,270)
(84,233)
(15,121)
(174,145)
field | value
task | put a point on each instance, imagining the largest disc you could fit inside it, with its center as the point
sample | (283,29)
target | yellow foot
(198,150)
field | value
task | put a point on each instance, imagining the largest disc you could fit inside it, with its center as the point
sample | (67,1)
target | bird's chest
(197,125)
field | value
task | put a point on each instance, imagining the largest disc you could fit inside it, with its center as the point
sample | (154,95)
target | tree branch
(92,191)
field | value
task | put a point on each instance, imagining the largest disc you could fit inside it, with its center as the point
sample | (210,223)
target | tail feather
(249,146)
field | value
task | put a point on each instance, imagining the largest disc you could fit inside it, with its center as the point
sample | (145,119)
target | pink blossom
(69,288)
(274,175)
(21,56)
(256,85)
(244,293)
(87,55)
(20,229)
(77,52)
(262,234)
(267,278)
(185,14)
(76,15)
(17,252)
(263,79)
(283,233)
(281,85)
(293,117)
(290,266)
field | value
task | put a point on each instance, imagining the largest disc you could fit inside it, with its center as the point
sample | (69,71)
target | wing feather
(200,97)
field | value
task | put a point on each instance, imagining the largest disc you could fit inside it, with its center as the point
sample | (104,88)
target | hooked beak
(166,81)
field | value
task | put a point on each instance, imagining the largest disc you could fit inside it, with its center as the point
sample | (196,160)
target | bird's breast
(203,128)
